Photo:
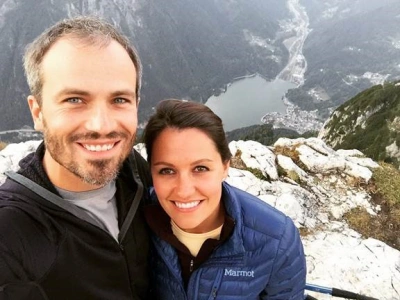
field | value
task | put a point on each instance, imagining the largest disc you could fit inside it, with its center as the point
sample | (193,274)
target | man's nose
(100,119)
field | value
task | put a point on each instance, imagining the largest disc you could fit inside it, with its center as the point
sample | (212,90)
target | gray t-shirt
(99,205)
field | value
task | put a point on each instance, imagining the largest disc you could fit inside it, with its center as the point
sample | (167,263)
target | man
(71,226)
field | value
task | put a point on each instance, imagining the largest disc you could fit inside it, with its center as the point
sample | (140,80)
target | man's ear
(36,112)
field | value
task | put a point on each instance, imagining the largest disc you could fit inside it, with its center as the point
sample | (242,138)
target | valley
(192,51)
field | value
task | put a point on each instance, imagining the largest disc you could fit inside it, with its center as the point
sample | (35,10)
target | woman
(211,240)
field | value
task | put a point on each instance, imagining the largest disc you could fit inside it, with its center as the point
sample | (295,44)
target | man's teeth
(98,148)
(187,205)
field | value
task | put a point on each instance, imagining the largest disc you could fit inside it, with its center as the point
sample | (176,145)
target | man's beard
(102,171)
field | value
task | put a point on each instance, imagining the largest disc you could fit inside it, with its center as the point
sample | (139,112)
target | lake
(247,100)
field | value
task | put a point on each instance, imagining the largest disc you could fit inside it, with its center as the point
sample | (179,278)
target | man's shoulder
(14,218)
(27,246)
(15,210)
(20,210)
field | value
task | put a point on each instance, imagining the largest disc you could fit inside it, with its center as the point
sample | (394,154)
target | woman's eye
(166,171)
(201,169)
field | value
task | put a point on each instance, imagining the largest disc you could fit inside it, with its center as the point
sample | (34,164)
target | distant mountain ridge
(192,49)
(369,122)
(189,48)
(353,45)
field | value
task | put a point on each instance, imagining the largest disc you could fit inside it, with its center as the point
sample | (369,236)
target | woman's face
(187,173)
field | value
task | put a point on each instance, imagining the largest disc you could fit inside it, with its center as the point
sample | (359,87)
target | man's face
(88,113)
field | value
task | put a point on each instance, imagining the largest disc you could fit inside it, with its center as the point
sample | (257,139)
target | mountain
(189,49)
(353,45)
(193,49)
(369,122)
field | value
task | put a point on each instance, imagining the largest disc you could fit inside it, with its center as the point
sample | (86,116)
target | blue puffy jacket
(263,258)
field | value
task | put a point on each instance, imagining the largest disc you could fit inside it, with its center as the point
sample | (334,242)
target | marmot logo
(230,272)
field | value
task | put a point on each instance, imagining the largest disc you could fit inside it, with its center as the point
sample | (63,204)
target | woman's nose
(185,186)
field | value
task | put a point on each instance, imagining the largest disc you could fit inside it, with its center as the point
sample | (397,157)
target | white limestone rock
(288,165)
(319,163)
(12,154)
(357,171)
(363,161)
(256,155)
(288,143)
(349,153)
(344,260)
(244,180)
(319,146)
(141,149)
(291,206)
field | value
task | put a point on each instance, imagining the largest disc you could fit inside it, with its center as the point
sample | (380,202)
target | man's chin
(98,173)
(99,179)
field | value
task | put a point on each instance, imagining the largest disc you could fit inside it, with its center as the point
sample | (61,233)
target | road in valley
(297,64)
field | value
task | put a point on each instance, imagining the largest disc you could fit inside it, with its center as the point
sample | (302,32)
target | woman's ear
(36,112)
(227,164)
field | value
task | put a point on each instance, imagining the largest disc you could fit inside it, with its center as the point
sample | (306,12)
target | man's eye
(120,100)
(74,100)
(166,171)
(201,169)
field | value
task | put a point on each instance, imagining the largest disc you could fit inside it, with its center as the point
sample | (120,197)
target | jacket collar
(128,181)
(31,166)
(234,245)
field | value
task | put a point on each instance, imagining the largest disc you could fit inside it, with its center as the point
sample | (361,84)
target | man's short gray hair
(86,29)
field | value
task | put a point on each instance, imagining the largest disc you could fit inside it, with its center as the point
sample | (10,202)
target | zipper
(216,285)
(191,266)
(214,293)
(193,285)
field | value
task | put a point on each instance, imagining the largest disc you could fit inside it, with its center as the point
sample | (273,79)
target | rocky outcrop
(314,185)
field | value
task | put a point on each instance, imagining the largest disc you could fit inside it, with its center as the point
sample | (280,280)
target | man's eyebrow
(130,93)
(74,91)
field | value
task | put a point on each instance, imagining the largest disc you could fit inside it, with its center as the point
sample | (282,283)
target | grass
(387,181)
(257,173)
(385,192)
(294,176)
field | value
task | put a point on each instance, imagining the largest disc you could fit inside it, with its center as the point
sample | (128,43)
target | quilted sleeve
(288,276)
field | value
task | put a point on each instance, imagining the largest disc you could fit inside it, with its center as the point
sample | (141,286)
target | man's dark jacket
(47,252)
